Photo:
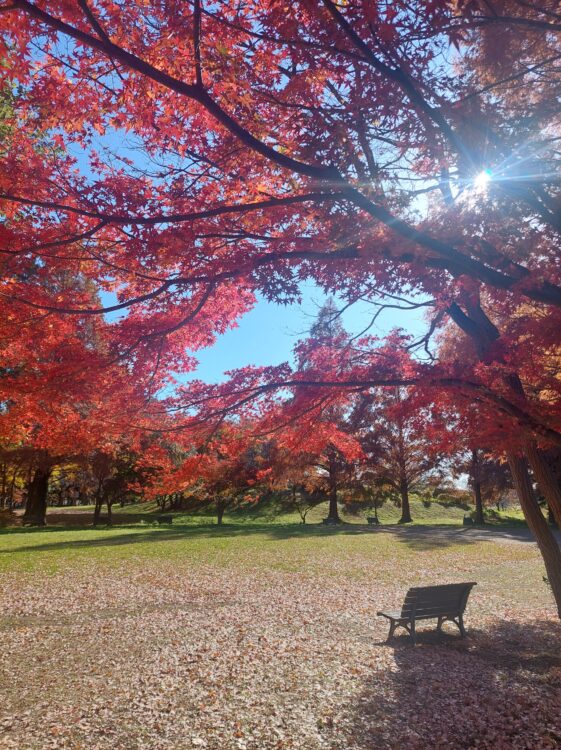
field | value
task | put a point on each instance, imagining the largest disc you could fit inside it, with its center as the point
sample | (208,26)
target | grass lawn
(264,635)
(437,513)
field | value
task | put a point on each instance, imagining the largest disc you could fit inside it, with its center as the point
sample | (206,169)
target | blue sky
(267,334)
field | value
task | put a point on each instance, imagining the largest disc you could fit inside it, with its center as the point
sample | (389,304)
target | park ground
(264,636)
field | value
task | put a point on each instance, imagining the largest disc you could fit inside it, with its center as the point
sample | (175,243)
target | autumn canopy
(164,162)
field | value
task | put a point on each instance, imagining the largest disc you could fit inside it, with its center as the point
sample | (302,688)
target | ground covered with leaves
(241,638)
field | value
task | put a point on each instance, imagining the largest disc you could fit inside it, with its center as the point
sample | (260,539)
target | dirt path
(455,534)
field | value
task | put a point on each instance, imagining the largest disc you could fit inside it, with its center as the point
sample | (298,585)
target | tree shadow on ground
(498,689)
(417,538)
(422,538)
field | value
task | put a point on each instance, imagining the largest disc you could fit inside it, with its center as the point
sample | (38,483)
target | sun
(481,181)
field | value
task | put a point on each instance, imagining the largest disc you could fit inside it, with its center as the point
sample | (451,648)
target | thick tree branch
(174,218)
(345,253)
(193,92)
(397,75)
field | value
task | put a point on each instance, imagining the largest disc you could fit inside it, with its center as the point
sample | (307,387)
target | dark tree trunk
(4,490)
(538,525)
(405,507)
(36,503)
(546,479)
(220,508)
(484,334)
(98,503)
(475,475)
(11,492)
(479,517)
(333,509)
(109,512)
(97,511)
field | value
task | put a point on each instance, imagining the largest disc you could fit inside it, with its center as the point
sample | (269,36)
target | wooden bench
(163,519)
(446,602)
(372,521)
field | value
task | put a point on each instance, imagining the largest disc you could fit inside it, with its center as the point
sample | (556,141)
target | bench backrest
(432,601)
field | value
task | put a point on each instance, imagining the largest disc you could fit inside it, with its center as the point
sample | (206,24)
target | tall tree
(332,142)
(397,443)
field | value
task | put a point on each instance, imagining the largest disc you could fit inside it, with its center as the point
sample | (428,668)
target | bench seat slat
(440,588)
(427,614)
(423,615)
(393,615)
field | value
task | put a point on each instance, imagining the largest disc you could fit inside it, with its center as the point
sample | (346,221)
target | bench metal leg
(409,627)
(459,622)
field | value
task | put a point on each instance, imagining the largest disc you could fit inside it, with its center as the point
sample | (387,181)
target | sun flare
(482,180)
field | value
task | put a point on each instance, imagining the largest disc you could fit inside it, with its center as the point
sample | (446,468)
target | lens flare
(482,180)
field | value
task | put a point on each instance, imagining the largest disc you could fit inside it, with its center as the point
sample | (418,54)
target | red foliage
(184,157)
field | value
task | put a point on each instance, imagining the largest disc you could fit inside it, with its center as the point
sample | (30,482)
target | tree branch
(193,92)
(172,218)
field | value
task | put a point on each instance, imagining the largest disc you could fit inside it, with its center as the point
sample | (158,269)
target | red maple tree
(192,154)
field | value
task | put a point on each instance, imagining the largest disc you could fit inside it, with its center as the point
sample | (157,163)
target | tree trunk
(405,507)
(98,502)
(333,509)
(109,512)
(484,333)
(546,479)
(538,525)
(4,490)
(97,511)
(220,508)
(11,492)
(479,518)
(36,503)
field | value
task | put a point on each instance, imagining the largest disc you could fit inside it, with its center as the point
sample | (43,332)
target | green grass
(352,550)
(437,513)
(254,538)
(52,549)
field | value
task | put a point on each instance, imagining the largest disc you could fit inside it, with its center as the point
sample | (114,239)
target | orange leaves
(126,178)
